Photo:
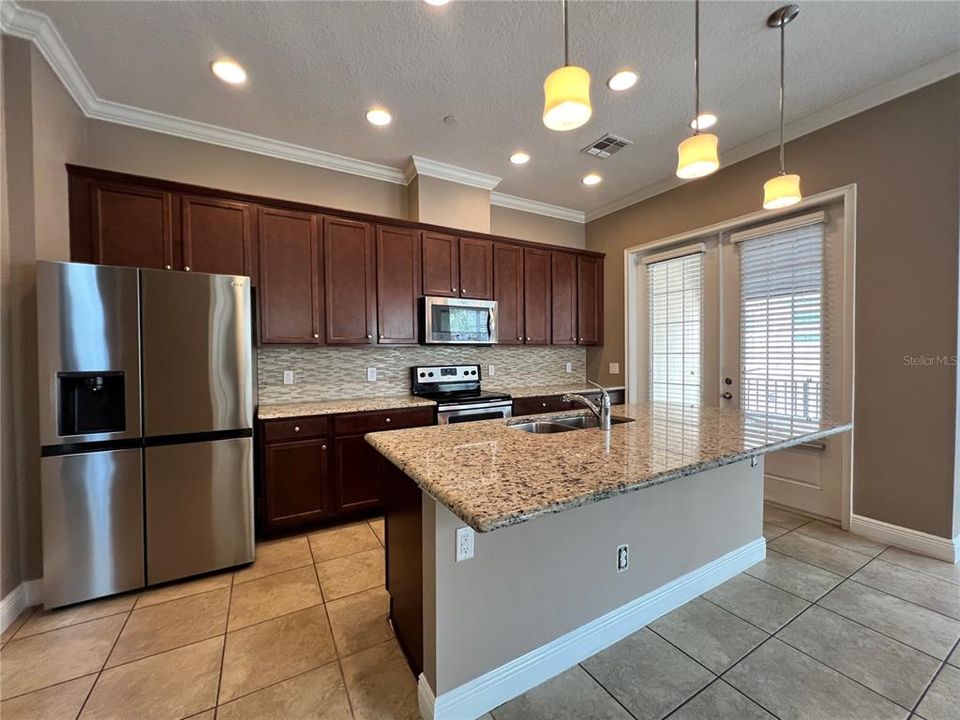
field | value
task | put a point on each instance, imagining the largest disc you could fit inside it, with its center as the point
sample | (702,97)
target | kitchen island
(680,487)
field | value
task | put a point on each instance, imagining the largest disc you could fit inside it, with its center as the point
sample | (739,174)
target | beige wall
(442,202)
(558,572)
(904,158)
(536,228)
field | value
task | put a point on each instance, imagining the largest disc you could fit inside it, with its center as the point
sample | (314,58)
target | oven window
(463,324)
(492,415)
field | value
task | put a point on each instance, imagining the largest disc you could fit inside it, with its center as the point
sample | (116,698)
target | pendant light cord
(696,67)
(783,33)
(566,37)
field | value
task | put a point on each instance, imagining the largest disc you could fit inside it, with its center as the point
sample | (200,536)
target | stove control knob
(430,374)
(423,374)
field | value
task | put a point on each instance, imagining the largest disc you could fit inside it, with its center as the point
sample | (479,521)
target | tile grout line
(913,569)
(937,674)
(902,599)
(223,650)
(604,688)
(103,665)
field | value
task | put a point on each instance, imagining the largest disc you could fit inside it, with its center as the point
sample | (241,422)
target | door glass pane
(674,297)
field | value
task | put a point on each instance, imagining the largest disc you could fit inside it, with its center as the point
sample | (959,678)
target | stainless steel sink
(555,425)
(588,421)
(541,427)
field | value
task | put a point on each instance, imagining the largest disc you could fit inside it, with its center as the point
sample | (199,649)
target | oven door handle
(476,406)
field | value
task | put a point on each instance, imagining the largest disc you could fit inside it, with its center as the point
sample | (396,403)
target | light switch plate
(372,374)
(491,370)
(288,377)
(569,367)
(614,368)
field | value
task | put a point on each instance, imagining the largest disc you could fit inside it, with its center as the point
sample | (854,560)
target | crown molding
(877,95)
(453,173)
(537,208)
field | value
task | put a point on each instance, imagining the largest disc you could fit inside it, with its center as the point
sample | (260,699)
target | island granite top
(492,476)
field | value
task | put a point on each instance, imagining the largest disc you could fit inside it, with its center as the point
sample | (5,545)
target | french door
(754,320)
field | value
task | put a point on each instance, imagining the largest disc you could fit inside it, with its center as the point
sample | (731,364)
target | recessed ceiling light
(436,3)
(229,71)
(519,158)
(623,80)
(592,179)
(378,117)
(704,121)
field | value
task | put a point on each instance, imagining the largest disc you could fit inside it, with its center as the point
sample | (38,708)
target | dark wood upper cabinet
(349,273)
(290,307)
(441,265)
(589,300)
(129,225)
(508,292)
(563,282)
(217,236)
(536,296)
(476,269)
(398,284)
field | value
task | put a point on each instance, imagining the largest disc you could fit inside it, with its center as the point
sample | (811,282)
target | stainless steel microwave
(454,321)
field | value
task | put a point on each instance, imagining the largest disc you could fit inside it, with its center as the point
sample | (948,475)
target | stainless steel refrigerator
(146,413)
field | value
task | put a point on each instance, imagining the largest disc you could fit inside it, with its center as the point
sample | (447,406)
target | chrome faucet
(602,412)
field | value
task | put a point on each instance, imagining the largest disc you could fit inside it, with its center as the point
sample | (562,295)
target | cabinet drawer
(356,423)
(294,428)
(541,404)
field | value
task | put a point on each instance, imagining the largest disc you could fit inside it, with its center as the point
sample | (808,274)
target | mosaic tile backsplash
(331,373)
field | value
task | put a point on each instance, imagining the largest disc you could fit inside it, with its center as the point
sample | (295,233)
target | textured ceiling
(315,67)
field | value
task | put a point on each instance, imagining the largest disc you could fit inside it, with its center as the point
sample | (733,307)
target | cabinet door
(476,269)
(398,284)
(290,308)
(349,282)
(508,292)
(360,474)
(216,236)
(132,226)
(295,484)
(563,277)
(441,265)
(589,300)
(536,296)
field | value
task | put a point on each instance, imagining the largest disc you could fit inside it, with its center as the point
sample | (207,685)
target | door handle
(727,395)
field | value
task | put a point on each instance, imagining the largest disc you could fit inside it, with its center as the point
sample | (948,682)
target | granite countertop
(274,411)
(492,476)
(545,390)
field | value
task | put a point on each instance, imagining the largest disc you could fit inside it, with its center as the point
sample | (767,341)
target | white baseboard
(474,698)
(17,600)
(920,542)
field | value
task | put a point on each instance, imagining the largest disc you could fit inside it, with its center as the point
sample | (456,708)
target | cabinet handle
(543,404)
(388,419)
(519,337)
(369,336)
(581,339)
(323,447)
(166,267)
(316,335)
(381,336)
(186,268)
(528,338)
(453,289)
(296,428)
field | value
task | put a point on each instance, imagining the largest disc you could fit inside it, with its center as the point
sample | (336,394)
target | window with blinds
(782,322)
(674,297)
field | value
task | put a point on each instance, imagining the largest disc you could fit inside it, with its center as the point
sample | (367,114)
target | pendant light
(782,190)
(697,155)
(566,91)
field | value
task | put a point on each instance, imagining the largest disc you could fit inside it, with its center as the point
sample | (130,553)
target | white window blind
(674,296)
(782,322)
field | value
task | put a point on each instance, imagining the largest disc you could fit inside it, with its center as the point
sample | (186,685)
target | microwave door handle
(491,323)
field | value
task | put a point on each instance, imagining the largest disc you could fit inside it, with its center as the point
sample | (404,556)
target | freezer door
(92,525)
(199,507)
(88,334)
(197,352)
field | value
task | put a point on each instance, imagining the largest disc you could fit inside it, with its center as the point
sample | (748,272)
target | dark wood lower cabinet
(319,468)
(555,403)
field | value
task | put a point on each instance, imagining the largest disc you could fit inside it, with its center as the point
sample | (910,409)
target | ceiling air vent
(606,146)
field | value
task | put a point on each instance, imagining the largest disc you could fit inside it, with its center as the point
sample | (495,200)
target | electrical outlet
(614,368)
(491,370)
(623,558)
(569,367)
(288,377)
(465,538)
(372,374)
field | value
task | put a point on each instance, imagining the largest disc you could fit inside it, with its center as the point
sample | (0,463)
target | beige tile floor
(829,627)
